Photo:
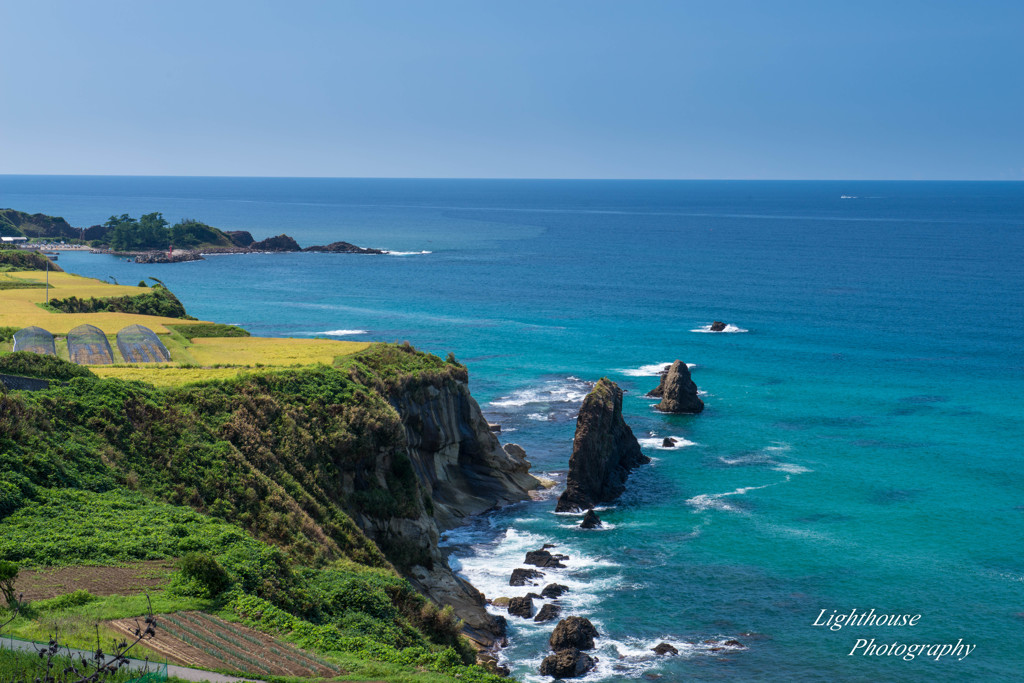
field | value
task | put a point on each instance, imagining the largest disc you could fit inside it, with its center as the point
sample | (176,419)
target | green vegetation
(12,260)
(151,232)
(8,575)
(208,330)
(157,301)
(28,666)
(28,364)
(18,223)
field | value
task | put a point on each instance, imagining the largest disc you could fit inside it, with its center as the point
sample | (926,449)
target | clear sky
(485,88)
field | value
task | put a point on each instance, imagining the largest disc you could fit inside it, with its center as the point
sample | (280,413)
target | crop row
(210,645)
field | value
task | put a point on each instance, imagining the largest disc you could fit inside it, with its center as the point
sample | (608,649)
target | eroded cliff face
(461,470)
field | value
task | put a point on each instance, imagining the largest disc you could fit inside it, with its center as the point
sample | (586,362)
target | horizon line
(517,178)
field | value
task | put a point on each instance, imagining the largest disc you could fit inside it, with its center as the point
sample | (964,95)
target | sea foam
(728,329)
(344,333)
(651,370)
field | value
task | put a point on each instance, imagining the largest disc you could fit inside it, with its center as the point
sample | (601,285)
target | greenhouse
(35,340)
(88,345)
(140,344)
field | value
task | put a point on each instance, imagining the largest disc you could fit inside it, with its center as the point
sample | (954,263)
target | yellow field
(18,309)
(18,306)
(254,351)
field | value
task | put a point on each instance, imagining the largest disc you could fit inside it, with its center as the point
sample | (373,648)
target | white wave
(652,370)
(406,253)
(728,329)
(539,417)
(569,390)
(791,468)
(714,501)
(344,333)
(656,441)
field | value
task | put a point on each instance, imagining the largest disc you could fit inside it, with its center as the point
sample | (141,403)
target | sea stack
(718,326)
(604,451)
(679,393)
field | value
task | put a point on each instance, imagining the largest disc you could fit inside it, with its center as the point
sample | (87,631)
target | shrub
(8,575)
(77,599)
(28,364)
(202,576)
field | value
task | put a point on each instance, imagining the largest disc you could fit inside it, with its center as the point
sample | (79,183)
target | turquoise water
(861,443)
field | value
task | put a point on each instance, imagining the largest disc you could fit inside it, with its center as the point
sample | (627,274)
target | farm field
(131,579)
(255,351)
(205,641)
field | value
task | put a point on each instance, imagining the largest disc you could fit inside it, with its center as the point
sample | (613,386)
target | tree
(8,575)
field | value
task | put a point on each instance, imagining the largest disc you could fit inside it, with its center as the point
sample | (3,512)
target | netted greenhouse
(36,340)
(88,345)
(140,344)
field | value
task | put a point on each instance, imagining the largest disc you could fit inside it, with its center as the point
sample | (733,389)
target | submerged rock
(548,612)
(590,520)
(669,442)
(343,248)
(521,607)
(569,663)
(574,632)
(554,590)
(718,326)
(542,558)
(664,649)
(500,602)
(604,451)
(680,393)
(525,577)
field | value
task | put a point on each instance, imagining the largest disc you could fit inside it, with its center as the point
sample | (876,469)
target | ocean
(861,445)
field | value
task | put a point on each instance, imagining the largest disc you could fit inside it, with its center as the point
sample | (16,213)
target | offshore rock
(521,607)
(343,248)
(664,649)
(542,558)
(573,632)
(554,590)
(603,451)
(525,577)
(570,663)
(590,520)
(659,391)
(718,326)
(279,243)
(668,442)
(680,393)
(548,612)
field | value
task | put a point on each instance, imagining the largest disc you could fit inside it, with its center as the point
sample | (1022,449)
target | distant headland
(151,238)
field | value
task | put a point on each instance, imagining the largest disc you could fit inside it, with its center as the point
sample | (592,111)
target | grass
(165,376)
(257,351)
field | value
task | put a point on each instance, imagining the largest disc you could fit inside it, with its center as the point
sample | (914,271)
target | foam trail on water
(344,333)
(714,501)
(406,253)
(657,441)
(652,370)
(568,390)
(728,328)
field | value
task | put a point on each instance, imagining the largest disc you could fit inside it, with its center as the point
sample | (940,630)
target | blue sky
(552,89)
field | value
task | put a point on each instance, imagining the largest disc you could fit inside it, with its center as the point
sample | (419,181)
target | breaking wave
(728,329)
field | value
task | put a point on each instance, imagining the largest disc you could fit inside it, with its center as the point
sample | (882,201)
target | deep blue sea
(861,446)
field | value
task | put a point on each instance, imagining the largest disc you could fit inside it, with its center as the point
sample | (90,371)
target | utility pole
(47,277)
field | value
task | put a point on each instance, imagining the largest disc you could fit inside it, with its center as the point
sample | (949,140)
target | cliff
(18,223)
(678,392)
(604,451)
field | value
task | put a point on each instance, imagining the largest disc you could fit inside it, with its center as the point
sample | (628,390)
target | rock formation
(548,612)
(603,451)
(590,520)
(679,391)
(521,607)
(669,442)
(570,636)
(542,558)
(664,649)
(573,632)
(659,391)
(554,590)
(279,243)
(344,248)
(567,664)
(240,238)
(525,577)
(718,326)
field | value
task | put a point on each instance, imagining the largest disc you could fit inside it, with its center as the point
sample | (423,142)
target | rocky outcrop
(279,243)
(679,391)
(573,632)
(604,451)
(590,520)
(525,577)
(548,612)
(343,248)
(718,326)
(554,590)
(543,558)
(461,470)
(240,238)
(668,442)
(521,607)
(659,391)
(567,664)
(664,649)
